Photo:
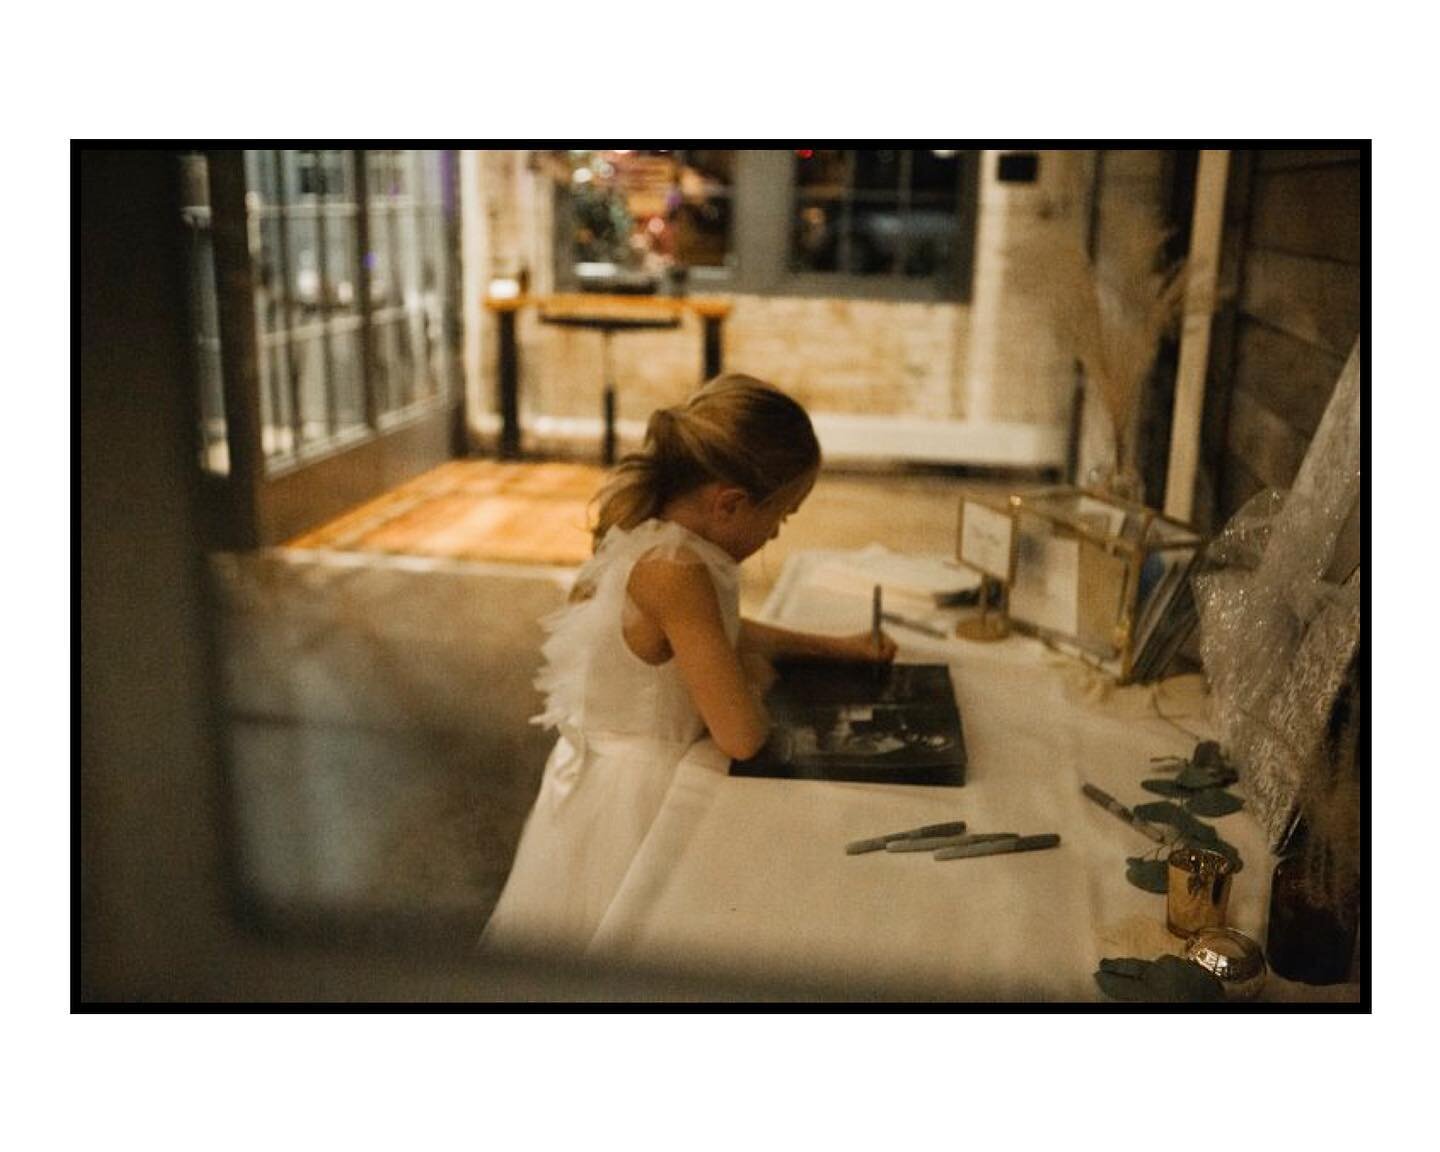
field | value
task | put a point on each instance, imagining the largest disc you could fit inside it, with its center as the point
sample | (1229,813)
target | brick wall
(990,361)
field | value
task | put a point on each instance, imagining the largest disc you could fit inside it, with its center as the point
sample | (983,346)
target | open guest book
(892,724)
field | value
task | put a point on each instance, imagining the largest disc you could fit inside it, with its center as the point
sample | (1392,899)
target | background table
(607,313)
(751,874)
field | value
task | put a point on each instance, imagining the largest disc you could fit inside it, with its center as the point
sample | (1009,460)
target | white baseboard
(991,444)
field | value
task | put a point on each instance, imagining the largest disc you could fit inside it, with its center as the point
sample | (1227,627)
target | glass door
(342,350)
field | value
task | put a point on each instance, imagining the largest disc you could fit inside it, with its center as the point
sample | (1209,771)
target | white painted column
(1206,228)
(982,368)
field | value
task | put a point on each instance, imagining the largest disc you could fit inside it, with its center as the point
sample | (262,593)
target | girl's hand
(861,646)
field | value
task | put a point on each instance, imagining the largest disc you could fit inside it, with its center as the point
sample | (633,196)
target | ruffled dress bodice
(594,685)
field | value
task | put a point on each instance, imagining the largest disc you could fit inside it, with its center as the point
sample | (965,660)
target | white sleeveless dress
(624,725)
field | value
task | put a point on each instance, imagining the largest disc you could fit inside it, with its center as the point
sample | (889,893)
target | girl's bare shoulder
(679,580)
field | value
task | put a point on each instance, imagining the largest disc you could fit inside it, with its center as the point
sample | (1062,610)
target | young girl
(651,652)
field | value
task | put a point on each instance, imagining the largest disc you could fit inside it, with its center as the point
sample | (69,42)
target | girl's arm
(680,599)
(781,643)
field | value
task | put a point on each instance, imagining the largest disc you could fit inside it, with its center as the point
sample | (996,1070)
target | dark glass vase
(1305,941)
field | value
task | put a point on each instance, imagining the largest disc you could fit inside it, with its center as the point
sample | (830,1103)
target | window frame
(763,212)
(765,222)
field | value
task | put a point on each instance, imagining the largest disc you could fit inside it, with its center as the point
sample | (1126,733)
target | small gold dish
(1232,957)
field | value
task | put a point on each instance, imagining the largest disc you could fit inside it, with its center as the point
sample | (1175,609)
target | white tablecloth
(751,874)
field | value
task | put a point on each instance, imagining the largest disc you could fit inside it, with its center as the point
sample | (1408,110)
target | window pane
(700,216)
(935,179)
(275,414)
(340,293)
(642,217)
(384,288)
(817,237)
(877,171)
(875,235)
(395,358)
(346,364)
(406,269)
(340,259)
(702,232)
(302,238)
(822,172)
(432,300)
(310,377)
(875,218)
(269,290)
(393,368)
(265,182)
(930,238)
(334,169)
(262,179)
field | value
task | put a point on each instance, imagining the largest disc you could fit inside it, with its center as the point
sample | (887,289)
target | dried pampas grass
(1111,315)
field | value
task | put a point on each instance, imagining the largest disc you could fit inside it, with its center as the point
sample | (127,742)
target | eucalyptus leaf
(1192,831)
(1201,835)
(1160,812)
(1125,988)
(1196,778)
(1151,875)
(1215,802)
(1123,978)
(1164,788)
(1168,980)
(1184,982)
(1207,754)
(1131,967)
(1196,831)
(1227,775)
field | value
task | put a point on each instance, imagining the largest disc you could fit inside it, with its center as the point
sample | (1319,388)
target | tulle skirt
(596,805)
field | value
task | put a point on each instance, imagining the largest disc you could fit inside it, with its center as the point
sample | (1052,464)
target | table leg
(710,366)
(509,387)
(609,449)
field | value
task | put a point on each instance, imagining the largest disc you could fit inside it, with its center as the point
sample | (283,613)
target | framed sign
(987,540)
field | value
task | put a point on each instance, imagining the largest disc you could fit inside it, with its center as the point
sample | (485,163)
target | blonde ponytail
(629,497)
(736,429)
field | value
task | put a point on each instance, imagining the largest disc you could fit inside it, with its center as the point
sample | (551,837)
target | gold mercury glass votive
(1197,890)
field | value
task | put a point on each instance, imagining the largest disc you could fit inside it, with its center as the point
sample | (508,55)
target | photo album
(894,724)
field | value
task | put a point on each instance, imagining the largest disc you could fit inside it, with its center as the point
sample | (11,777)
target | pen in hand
(875,630)
(875,614)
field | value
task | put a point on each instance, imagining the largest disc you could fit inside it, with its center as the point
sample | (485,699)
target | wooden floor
(536,513)
(473,510)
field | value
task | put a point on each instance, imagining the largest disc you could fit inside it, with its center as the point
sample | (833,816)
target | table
(607,314)
(750,875)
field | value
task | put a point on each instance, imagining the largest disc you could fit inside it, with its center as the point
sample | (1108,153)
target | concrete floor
(382,764)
